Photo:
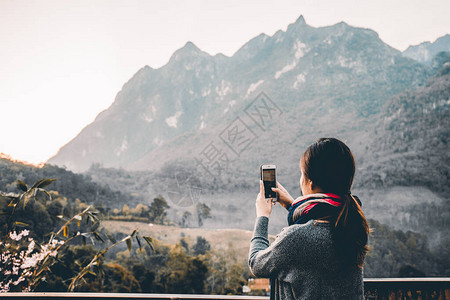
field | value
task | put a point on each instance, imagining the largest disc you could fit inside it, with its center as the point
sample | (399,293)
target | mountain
(319,81)
(425,51)
(405,173)
(411,141)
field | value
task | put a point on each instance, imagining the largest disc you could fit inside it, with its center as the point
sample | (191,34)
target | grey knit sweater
(302,264)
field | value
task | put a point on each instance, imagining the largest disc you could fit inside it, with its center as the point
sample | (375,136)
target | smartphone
(269,178)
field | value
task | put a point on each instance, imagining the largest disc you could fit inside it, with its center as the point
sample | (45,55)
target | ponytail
(351,232)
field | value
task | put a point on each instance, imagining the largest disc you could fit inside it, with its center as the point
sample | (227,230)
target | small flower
(19,280)
(17,237)
(13,236)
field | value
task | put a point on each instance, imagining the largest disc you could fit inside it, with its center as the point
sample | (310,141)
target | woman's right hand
(284,197)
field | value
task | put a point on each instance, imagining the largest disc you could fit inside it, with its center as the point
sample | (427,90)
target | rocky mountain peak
(298,24)
(188,50)
(301,20)
(425,51)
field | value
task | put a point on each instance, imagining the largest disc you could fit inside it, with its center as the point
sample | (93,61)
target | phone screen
(269,180)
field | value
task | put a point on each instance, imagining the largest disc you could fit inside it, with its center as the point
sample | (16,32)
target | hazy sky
(62,62)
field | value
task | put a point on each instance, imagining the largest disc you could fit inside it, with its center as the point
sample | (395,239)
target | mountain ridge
(424,52)
(195,93)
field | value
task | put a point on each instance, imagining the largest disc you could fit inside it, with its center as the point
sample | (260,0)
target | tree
(187,273)
(185,219)
(158,210)
(184,244)
(119,280)
(125,210)
(203,212)
(201,247)
(141,210)
(235,280)
(144,277)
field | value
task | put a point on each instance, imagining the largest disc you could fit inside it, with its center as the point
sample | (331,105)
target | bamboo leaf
(42,195)
(95,226)
(128,241)
(91,218)
(42,183)
(27,196)
(36,183)
(47,193)
(9,196)
(134,232)
(149,241)
(21,185)
(98,237)
(139,242)
(21,224)
(45,182)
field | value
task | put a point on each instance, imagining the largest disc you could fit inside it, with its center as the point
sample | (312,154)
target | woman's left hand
(263,206)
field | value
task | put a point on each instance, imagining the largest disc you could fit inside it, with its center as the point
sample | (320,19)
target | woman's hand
(263,207)
(284,197)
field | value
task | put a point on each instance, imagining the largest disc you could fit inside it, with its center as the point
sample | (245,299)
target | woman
(320,255)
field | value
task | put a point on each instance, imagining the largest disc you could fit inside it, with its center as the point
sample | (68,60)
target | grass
(233,241)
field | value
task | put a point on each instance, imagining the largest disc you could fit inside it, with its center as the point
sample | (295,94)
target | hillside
(390,249)
(71,185)
(411,141)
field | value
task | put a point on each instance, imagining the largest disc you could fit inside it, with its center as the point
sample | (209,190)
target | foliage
(184,222)
(391,251)
(201,247)
(411,146)
(203,212)
(175,269)
(158,210)
(25,263)
(73,186)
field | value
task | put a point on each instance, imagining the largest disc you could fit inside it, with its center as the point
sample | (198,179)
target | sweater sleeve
(264,260)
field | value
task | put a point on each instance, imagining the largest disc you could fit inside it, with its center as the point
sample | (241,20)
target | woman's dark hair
(330,165)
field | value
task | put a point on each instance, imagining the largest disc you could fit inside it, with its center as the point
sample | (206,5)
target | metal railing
(407,288)
(134,296)
(374,288)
